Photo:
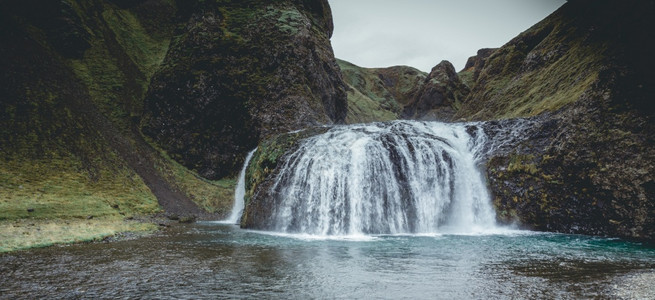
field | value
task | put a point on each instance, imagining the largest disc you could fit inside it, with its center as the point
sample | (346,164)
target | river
(211,260)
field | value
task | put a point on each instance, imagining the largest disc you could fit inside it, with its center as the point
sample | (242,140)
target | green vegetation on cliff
(71,156)
(586,164)
(541,70)
(379,94)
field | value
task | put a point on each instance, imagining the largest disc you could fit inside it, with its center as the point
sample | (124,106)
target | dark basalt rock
(240,71)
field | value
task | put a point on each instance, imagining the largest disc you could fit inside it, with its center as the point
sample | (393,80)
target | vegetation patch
(35,233)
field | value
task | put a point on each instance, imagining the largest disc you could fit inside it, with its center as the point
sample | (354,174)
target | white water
(239,193)
(385,178)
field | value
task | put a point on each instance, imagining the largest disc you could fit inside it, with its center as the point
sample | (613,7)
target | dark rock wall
(239,71)
(586,167)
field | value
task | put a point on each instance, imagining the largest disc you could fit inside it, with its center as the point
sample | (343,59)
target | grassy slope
(543,69)
(378,94)
(56,162)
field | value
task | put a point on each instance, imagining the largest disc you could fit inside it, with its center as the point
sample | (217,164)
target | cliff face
(586,165)
(204,79)
(239,71)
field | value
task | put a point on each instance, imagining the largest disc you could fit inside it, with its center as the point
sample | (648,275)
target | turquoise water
(209,260)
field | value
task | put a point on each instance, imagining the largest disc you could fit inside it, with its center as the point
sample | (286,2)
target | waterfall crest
(385,178)
(240,192)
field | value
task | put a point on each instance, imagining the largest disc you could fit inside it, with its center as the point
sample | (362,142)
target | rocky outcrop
(239,72)
(440,94)
(474,65)
(585,163)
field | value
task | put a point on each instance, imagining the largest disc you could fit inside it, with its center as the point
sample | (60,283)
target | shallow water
(210,260)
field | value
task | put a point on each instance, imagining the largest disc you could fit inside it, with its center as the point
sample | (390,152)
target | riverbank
(21,234)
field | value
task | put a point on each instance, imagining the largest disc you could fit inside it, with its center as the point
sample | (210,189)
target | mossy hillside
(238,72)
(68,143)
(543,69)
(362,109)
(467,76)
(122,57)
(377,94)
(47,129)
(117,71)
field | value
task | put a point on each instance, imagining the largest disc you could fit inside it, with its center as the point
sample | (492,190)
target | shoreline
(26,234)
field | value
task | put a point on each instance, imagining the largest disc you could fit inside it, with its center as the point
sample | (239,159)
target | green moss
(145,50)
(362,109)
(542,70)
(379,94)
(522,163)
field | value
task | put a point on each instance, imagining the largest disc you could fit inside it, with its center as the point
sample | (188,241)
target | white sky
(421,33)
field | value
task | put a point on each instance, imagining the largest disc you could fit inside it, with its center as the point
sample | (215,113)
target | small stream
(210,260)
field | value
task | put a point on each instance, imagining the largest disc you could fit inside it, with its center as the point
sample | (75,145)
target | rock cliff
(586,163)
(239,71)
(204,80)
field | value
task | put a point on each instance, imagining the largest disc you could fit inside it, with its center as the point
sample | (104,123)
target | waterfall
(385,178)
(239,192)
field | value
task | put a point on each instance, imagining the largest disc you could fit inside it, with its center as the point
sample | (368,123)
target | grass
(146,51)
(53,201)
(34,233)
(362,109)
(60,188)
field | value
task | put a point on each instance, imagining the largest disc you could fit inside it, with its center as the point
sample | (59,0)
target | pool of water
(209,260)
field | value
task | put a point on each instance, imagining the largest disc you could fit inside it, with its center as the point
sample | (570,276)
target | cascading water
(385,178)
(239,193)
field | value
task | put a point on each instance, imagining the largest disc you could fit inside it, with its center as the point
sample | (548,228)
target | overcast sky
(421,33)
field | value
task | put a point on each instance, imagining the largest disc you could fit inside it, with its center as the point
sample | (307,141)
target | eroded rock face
(441,91)
(240,71)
